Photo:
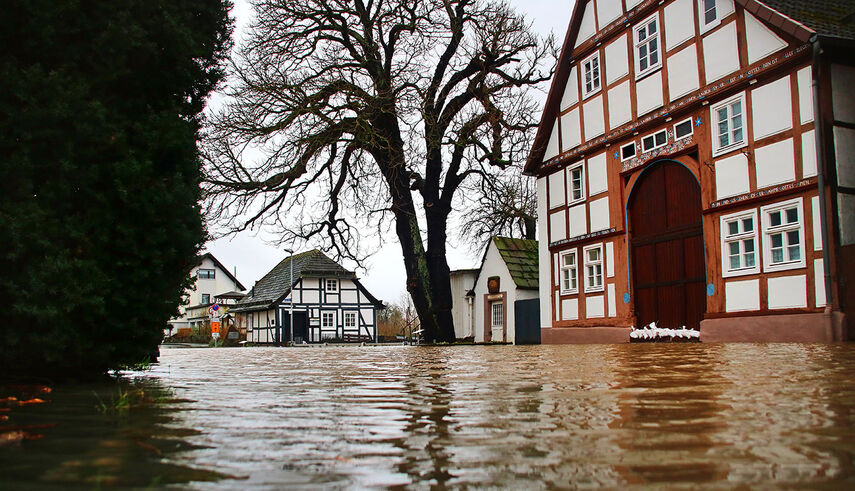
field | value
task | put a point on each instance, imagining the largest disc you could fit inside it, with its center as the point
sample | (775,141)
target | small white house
(508,275)
(213,282)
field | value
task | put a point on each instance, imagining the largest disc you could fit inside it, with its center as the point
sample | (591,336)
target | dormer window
(206,274)
(647,47)
(591,75)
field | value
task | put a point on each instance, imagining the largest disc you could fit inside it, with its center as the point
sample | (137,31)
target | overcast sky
(251,255)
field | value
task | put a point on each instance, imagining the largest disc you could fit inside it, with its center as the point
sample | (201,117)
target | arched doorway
(667,247)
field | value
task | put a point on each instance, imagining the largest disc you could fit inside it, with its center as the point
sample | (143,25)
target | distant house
(462,282)
(508,277)
(329,302)
(213,283)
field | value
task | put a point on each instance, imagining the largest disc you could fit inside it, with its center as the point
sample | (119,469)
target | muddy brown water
(516,417)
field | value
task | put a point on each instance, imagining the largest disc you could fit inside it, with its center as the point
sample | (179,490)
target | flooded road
(522,417)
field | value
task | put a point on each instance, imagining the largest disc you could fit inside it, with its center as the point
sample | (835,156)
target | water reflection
(510,417)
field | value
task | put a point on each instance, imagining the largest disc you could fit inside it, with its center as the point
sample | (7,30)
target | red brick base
(584,335)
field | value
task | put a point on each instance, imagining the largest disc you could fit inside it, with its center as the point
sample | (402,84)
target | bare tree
(505,205)
(369,114)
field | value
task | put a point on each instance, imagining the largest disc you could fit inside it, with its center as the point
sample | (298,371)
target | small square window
(350,320)
(683,129)
(576,183)
(591,75)
(593,268)
(332,286)
(328,320)
(654,141)
(627,151)
(206,298)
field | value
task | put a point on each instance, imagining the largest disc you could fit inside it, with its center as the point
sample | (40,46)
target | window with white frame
(647,46)
(328,320)
(654,141)
(206,274)
(783,235)
(350,320)
(497,314)
(569,272)
(739,244)
(709,14)
(627,151)
(576,183)
(591,75)
(728,124)
(683,129)
(593,268)
(206,298)
(332,286)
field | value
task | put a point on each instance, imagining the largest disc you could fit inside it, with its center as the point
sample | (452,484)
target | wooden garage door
(666,234)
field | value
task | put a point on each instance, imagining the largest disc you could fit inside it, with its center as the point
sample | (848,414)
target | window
(654,141)
(332,286)
(206,298)
(627,151)
(206,274)
(683,129)
(497,311)
(593,268)
(727,127)
(591,75)
(646,37)
(708,12)
(783,236)
(576,183)
(569,272)
(739,244)
(327,320)
(350,320)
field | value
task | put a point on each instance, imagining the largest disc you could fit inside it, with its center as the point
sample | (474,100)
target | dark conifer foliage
(100,112)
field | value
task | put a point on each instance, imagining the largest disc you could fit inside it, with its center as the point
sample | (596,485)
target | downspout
(821,159)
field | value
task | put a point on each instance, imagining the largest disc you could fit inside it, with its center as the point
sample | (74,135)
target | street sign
(213,308)
(215,328)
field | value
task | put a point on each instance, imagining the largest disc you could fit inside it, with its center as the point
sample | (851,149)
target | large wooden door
(667,242)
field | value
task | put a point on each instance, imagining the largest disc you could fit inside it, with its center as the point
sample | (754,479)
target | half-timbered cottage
(325,301)
(694,165)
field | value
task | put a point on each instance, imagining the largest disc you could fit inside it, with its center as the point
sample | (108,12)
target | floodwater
(519,417)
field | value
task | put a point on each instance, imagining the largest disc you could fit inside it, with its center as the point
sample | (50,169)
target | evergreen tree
(100,113)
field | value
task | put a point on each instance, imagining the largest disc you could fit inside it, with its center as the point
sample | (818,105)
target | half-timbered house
(694,165)
(323,299)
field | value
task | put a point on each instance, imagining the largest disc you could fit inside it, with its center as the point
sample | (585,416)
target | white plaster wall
(775,163)
(571,130)
(787,292)
(543,256)
(557,226)
(494,266)
(608,11)
(683,74)
(846,218)
(310,282)
(570,309)
(731,176)
(630,4)
(599,214)
(843,97)
(557,195)
(348,296)
(770,104)
(617,60)
(740,296)
(721,53)
(761,41)
(578,221)
(461,282)
(597,178)
(844,154)
(817,224)
(610,259)
(552,147)
(805,79)
(571,90)
(620,105)
(679,22)
(610,294)
(588,26)
(648,92)
(819,282)
(595,307)
(595,124)
(808,154)
(555,267)
(311,296)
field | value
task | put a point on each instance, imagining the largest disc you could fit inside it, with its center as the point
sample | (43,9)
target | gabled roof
(225,270)
(520,257)
(277,283)
(799,18)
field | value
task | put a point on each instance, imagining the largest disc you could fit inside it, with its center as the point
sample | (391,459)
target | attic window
(591,75)
(206,274)
(654,141)
(332,286)
(708,12)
